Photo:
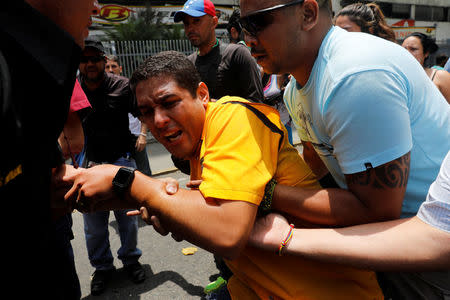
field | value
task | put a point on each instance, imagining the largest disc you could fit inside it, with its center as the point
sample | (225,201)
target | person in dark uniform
(39,54)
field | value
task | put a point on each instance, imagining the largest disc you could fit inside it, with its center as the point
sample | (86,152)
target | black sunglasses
(257,20)
(94,59)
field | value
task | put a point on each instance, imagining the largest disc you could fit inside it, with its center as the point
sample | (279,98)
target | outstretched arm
(217,225)
(404,244)
(387,246)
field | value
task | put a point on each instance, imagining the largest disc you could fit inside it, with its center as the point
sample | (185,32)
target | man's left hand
(93,186)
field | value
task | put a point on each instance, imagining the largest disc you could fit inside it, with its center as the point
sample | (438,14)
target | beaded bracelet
(286,240)
(143,134)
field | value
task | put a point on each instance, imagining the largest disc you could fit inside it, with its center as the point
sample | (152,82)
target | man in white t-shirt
(367,114)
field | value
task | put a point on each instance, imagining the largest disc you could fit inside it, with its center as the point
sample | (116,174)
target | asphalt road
(170,274)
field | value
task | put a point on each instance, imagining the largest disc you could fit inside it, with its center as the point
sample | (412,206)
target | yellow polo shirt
(243,146)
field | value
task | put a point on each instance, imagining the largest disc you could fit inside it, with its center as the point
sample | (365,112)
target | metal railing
(132,53)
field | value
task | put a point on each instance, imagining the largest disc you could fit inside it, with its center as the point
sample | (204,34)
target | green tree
(145,25)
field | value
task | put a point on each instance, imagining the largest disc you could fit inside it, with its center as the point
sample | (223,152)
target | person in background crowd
(368,18)
(447,66)
(39,55)
(441,60)
(138,129)
(421,46)
(365,111)
(234,28)
(225,141)
(227,69)
(112,64)
(108,140)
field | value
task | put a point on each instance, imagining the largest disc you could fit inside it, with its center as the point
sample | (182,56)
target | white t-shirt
(135,124)
(436,209)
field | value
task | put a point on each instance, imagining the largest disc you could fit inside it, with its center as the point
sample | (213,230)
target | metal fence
(132,53)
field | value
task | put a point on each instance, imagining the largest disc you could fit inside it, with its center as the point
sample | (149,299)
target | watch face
(122,177)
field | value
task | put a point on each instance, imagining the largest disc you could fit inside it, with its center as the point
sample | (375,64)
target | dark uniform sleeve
(249,74)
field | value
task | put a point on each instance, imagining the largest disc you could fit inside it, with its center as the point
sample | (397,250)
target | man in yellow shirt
(235,147)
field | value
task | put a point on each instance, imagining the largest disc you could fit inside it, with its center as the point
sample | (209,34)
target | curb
(163,172)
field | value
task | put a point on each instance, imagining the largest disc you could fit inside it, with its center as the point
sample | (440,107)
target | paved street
(170,274)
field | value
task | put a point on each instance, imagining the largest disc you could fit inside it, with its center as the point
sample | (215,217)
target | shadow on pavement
(121,287)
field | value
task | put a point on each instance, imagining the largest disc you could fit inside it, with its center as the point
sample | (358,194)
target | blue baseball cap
(195,8)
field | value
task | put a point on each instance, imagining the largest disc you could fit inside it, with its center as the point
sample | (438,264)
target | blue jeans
(97,234)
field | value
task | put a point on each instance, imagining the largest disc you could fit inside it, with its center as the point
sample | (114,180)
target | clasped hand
(171,189)
(81,188)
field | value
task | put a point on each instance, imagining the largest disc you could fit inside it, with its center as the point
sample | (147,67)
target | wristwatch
(123,179)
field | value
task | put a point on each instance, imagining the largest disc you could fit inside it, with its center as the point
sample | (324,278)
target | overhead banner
(114,14)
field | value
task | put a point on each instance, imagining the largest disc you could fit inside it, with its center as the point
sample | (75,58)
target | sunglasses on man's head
(94,59)
(256,21)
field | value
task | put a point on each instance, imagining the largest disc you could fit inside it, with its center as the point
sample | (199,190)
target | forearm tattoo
(390,175)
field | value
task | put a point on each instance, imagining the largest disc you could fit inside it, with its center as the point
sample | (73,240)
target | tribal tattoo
(390,175)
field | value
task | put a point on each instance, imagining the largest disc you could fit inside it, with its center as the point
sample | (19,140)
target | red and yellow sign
(403,28)
(114,13)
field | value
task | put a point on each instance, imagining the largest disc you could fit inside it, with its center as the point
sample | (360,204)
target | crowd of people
(362,213)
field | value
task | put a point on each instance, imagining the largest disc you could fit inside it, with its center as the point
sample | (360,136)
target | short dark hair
(428,44)
(168,64)
(234,21)
(113,58)
(441,59)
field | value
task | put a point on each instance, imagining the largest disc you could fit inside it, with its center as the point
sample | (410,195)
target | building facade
(431,17)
